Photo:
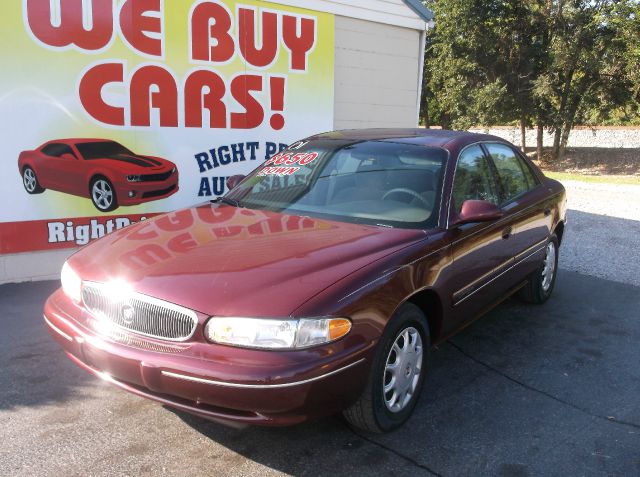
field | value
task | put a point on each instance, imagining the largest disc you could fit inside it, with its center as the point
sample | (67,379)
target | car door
(524,199)
(62,169)
(481,252)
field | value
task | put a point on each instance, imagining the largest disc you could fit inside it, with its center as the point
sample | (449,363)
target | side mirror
(234,181)
(68,156)
(477,211)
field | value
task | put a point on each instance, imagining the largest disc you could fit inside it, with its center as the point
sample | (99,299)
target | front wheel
(30,181)
(103,195)
(542,281)
(397,374)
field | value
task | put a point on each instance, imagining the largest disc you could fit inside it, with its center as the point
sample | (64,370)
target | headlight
(71,283)
(173,170)
(275,334)
(134,178)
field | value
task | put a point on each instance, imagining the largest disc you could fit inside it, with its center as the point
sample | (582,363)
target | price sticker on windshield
(287,163)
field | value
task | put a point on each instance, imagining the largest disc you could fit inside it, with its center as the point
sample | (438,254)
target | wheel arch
(430,303)
(559,231)
(94,176)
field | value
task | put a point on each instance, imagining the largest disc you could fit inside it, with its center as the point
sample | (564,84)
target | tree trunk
(564,139)
(539,141)
(523,135)
(555,151)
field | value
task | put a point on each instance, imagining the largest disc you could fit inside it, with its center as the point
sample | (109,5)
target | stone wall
(602,136)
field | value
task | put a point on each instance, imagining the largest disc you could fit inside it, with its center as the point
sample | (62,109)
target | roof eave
(424,13)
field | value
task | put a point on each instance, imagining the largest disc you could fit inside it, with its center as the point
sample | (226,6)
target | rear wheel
(103,195)
(542,281)
(397,374)
(30,181)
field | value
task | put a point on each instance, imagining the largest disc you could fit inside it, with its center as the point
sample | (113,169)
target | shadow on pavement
(526,390)
(34,371)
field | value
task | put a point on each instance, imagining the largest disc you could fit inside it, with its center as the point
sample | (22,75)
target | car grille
(139,313)
(158,193)
(155,177)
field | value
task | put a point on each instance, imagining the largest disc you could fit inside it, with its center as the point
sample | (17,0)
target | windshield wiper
(228,201)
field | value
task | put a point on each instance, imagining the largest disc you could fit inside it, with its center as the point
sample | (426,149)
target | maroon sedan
(319,283)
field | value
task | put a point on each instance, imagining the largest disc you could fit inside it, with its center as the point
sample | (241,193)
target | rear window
(515,175)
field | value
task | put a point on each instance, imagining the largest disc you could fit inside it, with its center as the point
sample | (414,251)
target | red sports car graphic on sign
(103,170)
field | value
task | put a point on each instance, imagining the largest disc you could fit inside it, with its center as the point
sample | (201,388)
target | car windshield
(373,182)
(101,149)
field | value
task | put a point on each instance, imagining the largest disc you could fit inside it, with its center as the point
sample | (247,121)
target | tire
(103,194)
(375,410)
(541,283)
(30,181)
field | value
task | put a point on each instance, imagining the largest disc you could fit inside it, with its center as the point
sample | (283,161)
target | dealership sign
(113,111)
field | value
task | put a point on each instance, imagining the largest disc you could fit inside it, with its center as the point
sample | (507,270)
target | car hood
(139,164)
(226,261)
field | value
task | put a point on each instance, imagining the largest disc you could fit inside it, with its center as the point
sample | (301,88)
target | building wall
(377,71)
(20,267)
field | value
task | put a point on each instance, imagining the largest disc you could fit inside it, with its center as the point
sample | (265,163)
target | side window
(515,176)
(57,150)
(474,179)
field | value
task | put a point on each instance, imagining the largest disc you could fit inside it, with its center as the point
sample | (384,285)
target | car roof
(80,140)
(427,137)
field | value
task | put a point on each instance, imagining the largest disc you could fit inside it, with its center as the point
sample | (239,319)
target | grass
(601,179)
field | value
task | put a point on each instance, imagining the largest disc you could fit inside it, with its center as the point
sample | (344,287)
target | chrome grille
(139,313)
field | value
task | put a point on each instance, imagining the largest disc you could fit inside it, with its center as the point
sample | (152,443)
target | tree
(585,65)
(550,63)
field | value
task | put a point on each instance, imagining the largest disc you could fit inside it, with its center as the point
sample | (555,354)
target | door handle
(506,233)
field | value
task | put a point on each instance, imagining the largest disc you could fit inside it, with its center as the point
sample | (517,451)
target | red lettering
(308,158)
(282,159)
(153,87)
(241,88)
(226,232)
(138,233)
(148,254)
(295,158)
(182,243)
(90,92)
(211,215)
(298,46)
(211,21)
(71,30)
(135,25)
(266,54)
(273,159)
(175,221)
(204,89)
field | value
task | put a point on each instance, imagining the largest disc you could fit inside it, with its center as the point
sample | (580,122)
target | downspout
(423,37)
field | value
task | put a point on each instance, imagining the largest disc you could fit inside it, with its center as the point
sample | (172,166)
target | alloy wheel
(102,194)
(29,179)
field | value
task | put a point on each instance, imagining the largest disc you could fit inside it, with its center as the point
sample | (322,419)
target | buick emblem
(128,314)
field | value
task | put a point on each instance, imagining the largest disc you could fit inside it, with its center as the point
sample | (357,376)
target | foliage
(552,63)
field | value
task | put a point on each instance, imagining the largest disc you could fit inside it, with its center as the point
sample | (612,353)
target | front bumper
(146,191)
(217,382)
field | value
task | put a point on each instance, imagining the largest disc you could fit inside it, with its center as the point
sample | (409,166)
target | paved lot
(604,225)
(549,390)
(526,391)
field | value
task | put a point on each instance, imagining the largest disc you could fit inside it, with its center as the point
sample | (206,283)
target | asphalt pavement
(548,390)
